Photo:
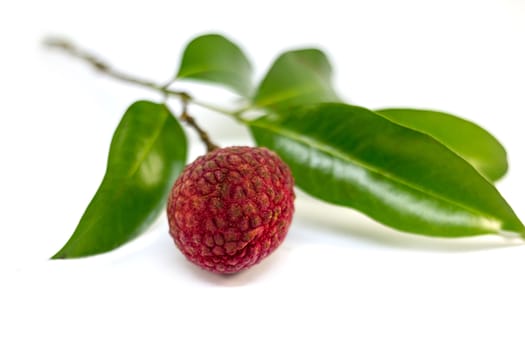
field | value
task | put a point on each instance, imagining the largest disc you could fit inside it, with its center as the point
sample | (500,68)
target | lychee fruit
(231,208)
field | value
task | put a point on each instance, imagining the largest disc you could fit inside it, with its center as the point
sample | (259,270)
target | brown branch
(102,67)
(203,135)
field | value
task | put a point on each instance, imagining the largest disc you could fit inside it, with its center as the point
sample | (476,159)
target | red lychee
(231,208)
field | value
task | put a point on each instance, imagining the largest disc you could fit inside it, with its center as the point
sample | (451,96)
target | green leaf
(147,153)
(353,157)
(213,58)
(296,78)
(473,143)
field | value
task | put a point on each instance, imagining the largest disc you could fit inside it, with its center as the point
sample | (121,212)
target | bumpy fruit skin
(231,208)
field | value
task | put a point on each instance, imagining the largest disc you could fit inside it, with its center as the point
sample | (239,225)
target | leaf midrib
(290,94)
(312,68)
(149,146)
(338,154)
(323,79)
(201,70)
(124,182)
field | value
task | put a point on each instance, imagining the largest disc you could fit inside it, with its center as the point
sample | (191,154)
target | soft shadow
(246,277)
(169,255)
(328,219)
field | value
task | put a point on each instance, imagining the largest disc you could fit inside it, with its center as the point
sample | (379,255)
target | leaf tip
(58,255)
(517,229)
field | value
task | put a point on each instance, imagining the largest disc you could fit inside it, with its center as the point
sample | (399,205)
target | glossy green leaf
(147,153)
(353,157)
(296,78)
(473,143)
(213,58)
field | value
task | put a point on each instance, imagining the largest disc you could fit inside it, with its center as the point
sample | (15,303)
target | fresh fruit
(231,208)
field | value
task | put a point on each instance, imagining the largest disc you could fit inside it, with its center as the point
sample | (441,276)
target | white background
(339,281)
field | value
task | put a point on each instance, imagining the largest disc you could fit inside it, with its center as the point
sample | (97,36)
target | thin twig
(203,135)
(237,115)
(103,67)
